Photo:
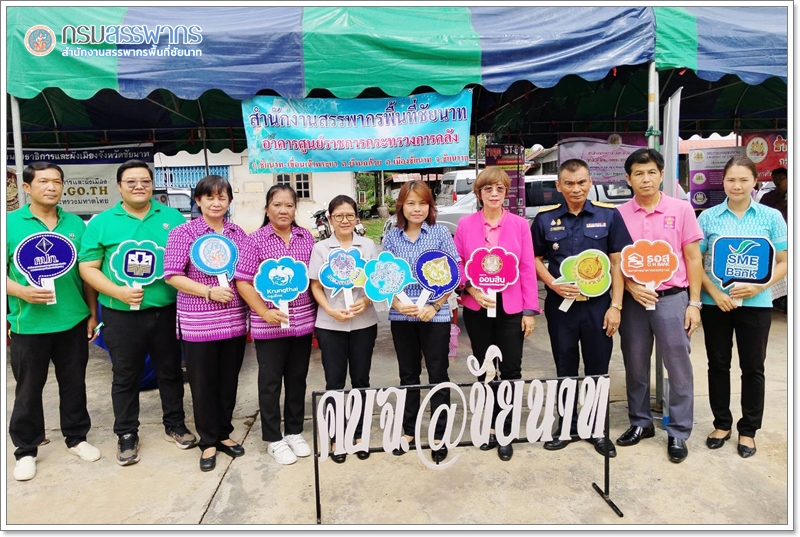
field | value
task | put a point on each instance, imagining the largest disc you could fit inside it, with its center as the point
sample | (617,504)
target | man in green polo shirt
(42,332)
(119,257)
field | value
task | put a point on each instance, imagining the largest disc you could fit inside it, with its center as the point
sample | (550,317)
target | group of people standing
(186,312)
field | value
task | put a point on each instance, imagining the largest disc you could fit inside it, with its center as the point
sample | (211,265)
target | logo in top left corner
(40,40)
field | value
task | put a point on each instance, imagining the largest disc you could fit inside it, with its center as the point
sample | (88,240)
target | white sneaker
(25,469)
(85,451)
(298,445)
(281,452)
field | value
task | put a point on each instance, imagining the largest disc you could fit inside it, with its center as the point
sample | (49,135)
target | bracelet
(435,306)
(208,293)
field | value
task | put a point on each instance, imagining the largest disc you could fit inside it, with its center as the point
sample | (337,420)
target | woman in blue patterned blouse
(744,309)
(424,331)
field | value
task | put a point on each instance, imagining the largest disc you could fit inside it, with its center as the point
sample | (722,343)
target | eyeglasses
(339,217)
(146,183)
(488,189)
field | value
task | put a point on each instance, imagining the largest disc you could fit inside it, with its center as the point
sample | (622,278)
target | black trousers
(213,370)
(282,361)
(505,331)
(412,341)
(130,336)
(581,325)
(342,349)
(751,326)
(30,359)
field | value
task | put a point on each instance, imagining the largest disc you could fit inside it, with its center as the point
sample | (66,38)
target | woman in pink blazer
(516,306)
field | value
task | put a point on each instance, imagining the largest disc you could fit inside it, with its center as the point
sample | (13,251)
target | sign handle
(283,305)
(491,312)
(222,280)
(348,297)
(737,301)
(50,285)
(566,304)
(403,297)
(135,285)
(652,287)
(423,298)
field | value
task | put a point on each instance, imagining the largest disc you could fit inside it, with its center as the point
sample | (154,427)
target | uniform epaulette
(549,207)
(604,204)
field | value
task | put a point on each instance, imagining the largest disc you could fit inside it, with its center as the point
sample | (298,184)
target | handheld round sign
(589,270)
(215,254)
(649,263)
(742,260)
(344,270)
(492,270)
(137,264)
(281,280)
(437,272)
(386,276)
(44,256)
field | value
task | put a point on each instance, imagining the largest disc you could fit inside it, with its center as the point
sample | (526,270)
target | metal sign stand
(604,493)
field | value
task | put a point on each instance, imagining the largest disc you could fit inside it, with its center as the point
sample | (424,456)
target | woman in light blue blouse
(424,331)
(738,216)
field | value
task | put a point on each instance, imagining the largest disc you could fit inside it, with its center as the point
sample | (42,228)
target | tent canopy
(535,71)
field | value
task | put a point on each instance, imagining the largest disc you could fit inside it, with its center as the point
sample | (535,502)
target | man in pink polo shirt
(654,216)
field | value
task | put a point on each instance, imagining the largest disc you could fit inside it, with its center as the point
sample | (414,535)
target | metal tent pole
(16,128)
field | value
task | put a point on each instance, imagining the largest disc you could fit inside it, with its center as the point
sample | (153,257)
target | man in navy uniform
(564,230)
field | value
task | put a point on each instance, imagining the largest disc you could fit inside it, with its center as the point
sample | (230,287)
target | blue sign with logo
(742,259)
(386,277)
(437,272)
(344,270)
(281,280)
(45,255)
(215,254)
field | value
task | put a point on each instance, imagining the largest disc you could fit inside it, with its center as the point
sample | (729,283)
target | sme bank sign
(40,40)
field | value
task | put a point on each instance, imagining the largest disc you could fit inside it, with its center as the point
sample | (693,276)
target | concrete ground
(536,487)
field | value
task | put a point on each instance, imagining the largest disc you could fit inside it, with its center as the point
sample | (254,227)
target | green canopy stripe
(676,38)
(394,48)
(28,74)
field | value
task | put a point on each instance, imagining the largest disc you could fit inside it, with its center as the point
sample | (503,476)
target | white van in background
(454,186)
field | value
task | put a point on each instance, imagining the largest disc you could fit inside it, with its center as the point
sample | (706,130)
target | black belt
(671,291)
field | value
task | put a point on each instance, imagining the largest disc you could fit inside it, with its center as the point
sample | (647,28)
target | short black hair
(573,165)
(30,170)
(644,155)
(133,164)
(213,184)
(341,199)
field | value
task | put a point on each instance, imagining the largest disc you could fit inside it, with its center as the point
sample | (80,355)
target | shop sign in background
(768,150)
(705,175)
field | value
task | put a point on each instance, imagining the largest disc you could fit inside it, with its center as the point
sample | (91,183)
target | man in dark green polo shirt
(139,319)
(42,332)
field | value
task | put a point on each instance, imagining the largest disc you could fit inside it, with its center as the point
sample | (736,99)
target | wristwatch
(698,305)
(615,305)
(435,305)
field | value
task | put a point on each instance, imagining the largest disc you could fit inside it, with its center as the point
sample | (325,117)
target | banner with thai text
(605,153)
(324,135)
(90,175)
(769,150)
(511,159)
(705,175)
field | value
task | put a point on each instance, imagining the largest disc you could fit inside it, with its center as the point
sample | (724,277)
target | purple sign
(705,175)
(44,256)
(511,159)
(605,153)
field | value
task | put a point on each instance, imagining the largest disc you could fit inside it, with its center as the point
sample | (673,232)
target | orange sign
(649,262)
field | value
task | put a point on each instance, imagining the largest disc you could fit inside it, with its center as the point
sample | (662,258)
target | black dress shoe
(230,451)
(632,436)
(339,459)
(745,451)
(505,452)
(439,455)
(399,451)
(556,443)
(716,443)
(363,455)
(491,444)
(208,463)
(676,449)
(600,446)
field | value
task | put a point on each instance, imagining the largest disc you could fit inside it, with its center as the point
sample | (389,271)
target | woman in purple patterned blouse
(283,353)
(211,322)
